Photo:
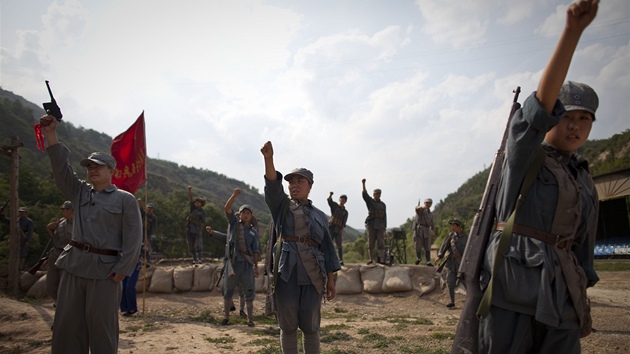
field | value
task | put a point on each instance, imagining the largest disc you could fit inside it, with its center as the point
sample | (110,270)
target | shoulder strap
(276,261)
(506,235)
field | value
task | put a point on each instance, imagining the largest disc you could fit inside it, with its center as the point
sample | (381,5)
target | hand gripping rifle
(466,336)
(51,107)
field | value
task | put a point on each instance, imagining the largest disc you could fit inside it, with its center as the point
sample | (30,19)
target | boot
(250,313)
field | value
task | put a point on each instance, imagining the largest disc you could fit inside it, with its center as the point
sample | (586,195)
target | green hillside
(604,156)
(167,184)
(168,181)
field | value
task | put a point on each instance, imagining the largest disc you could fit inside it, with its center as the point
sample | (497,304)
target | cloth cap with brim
(22,209)
(246,206)
(428,200)
(378,191)
(456,222)
(300,172)
(99,158)
(151,205)
(577,96)
(66,205)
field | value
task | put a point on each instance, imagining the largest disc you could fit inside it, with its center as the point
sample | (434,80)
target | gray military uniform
(454,244)
(532,296)
(422,227)
(86,317)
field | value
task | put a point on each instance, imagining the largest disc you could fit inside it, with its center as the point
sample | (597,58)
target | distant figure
(337,222)
(61,233)
(243,258)
(195,222)
(149,224)
(304,256)
(105,245)
(25,228)
(454,244)
(423,231)
(375,224)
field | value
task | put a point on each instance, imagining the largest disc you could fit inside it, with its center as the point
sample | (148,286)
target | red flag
(130,151)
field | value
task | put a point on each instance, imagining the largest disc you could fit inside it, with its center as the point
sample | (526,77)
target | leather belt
(85,248)
(310,241)
(538,235)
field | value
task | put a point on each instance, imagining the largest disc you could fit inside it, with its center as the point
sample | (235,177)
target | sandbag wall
(351,279)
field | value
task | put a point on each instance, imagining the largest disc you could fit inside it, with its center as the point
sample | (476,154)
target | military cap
(456,221)
(300,172)
(99,158)
(245,206)
(578,96)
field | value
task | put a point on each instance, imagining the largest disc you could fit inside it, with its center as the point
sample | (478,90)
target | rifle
(443,264)
(466,336)
(42,259)
(38,265)
(51,107)
(269,305)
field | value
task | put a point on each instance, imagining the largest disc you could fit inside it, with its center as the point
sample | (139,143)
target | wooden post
(13,287)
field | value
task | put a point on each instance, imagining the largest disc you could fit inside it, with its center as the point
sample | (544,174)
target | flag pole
(144,258)
(146,196)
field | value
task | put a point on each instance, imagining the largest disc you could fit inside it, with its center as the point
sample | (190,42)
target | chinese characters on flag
(130,151)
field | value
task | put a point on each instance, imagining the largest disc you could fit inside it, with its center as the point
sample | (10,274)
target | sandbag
(142,283)
(261,284)
(27,280)
(183,278)
(372,277)
(348,281)
(423,279)
(162,281)
(396,279)
(38,290)
(203,279)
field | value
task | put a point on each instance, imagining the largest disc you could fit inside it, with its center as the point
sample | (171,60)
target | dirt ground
(365,324)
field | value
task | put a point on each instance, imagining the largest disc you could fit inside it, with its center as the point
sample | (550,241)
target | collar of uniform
(566,158)
(297,202)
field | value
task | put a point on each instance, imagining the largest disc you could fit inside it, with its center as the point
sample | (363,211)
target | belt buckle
(86,248)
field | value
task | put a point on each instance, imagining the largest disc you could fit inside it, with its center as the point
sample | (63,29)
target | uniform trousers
(451,281)
(243,276)
(336,236)
(504,331)
(86,317)
(298,306)
(53,277)
(376,236)
(195,244)
(421,243)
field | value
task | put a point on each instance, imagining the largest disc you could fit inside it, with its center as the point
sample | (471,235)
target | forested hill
(167,181)
(604,156)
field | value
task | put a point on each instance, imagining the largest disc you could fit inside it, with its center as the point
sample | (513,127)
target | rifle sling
(276,261)
(506,235)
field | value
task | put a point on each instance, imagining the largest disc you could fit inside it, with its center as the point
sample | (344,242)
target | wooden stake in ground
(11,151)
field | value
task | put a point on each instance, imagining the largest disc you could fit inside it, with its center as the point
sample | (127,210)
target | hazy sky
(412,96)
